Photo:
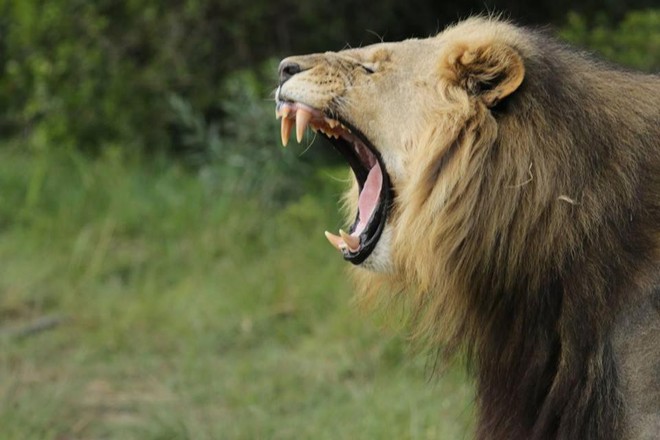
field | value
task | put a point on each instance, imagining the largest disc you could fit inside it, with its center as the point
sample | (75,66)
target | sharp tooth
(335,241)
(302,119)
(287,124)
(331,122)
(351,241)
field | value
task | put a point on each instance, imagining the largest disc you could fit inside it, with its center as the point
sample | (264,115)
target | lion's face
(396,112)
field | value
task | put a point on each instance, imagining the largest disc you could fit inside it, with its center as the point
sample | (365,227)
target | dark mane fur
(581,242)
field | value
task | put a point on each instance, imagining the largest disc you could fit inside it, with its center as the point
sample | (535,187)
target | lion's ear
(491,71)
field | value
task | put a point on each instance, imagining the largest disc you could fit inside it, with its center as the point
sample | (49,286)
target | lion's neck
(531,383)
(544,353)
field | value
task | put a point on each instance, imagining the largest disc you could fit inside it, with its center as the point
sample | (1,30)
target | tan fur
(527,213)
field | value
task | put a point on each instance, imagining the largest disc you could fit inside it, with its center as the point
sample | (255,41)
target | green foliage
(91,74)
(151,77)
(240,152)
(66,79)
(634,42)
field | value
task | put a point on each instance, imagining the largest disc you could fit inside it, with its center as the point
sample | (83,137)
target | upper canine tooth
(286,126)
(351,241)
(302,119)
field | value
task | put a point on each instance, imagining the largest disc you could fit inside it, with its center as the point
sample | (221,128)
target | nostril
(287,70)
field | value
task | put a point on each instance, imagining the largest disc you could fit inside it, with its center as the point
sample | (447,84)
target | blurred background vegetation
(163,273)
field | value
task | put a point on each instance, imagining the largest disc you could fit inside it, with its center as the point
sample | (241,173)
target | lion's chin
(380,259)
(361,245)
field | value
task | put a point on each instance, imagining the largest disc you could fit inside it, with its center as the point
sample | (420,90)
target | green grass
(189,312)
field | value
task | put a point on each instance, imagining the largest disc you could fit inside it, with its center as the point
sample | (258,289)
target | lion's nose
(287,69)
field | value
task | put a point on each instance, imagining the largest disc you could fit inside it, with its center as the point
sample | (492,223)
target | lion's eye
(369,67)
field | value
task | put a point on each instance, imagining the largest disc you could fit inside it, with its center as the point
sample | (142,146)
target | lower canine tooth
(351,241)
(335,241)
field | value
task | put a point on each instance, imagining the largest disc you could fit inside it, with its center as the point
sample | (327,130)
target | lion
(508,188)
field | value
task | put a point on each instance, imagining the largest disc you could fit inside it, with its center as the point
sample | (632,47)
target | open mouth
(375,191)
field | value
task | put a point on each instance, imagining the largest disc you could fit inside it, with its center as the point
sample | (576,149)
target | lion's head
(413,119)
(510,185)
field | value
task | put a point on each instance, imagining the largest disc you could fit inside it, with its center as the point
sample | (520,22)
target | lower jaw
(379,260)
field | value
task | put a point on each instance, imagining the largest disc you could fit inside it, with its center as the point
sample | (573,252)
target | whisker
(309,145)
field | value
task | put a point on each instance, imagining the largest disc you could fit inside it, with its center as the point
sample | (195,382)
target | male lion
(512,187)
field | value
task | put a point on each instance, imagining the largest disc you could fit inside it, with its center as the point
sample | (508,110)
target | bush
(240,153)
(88,74)
(634,42)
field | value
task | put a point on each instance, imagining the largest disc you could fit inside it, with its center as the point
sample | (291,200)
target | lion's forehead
(394,51)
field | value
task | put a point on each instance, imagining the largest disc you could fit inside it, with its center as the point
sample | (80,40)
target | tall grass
(186,311)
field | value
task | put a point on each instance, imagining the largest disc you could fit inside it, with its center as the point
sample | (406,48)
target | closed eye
(369,68)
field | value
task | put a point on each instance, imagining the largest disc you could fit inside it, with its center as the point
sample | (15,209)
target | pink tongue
(369,197)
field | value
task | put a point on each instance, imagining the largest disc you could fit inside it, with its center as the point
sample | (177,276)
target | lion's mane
(524,232)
